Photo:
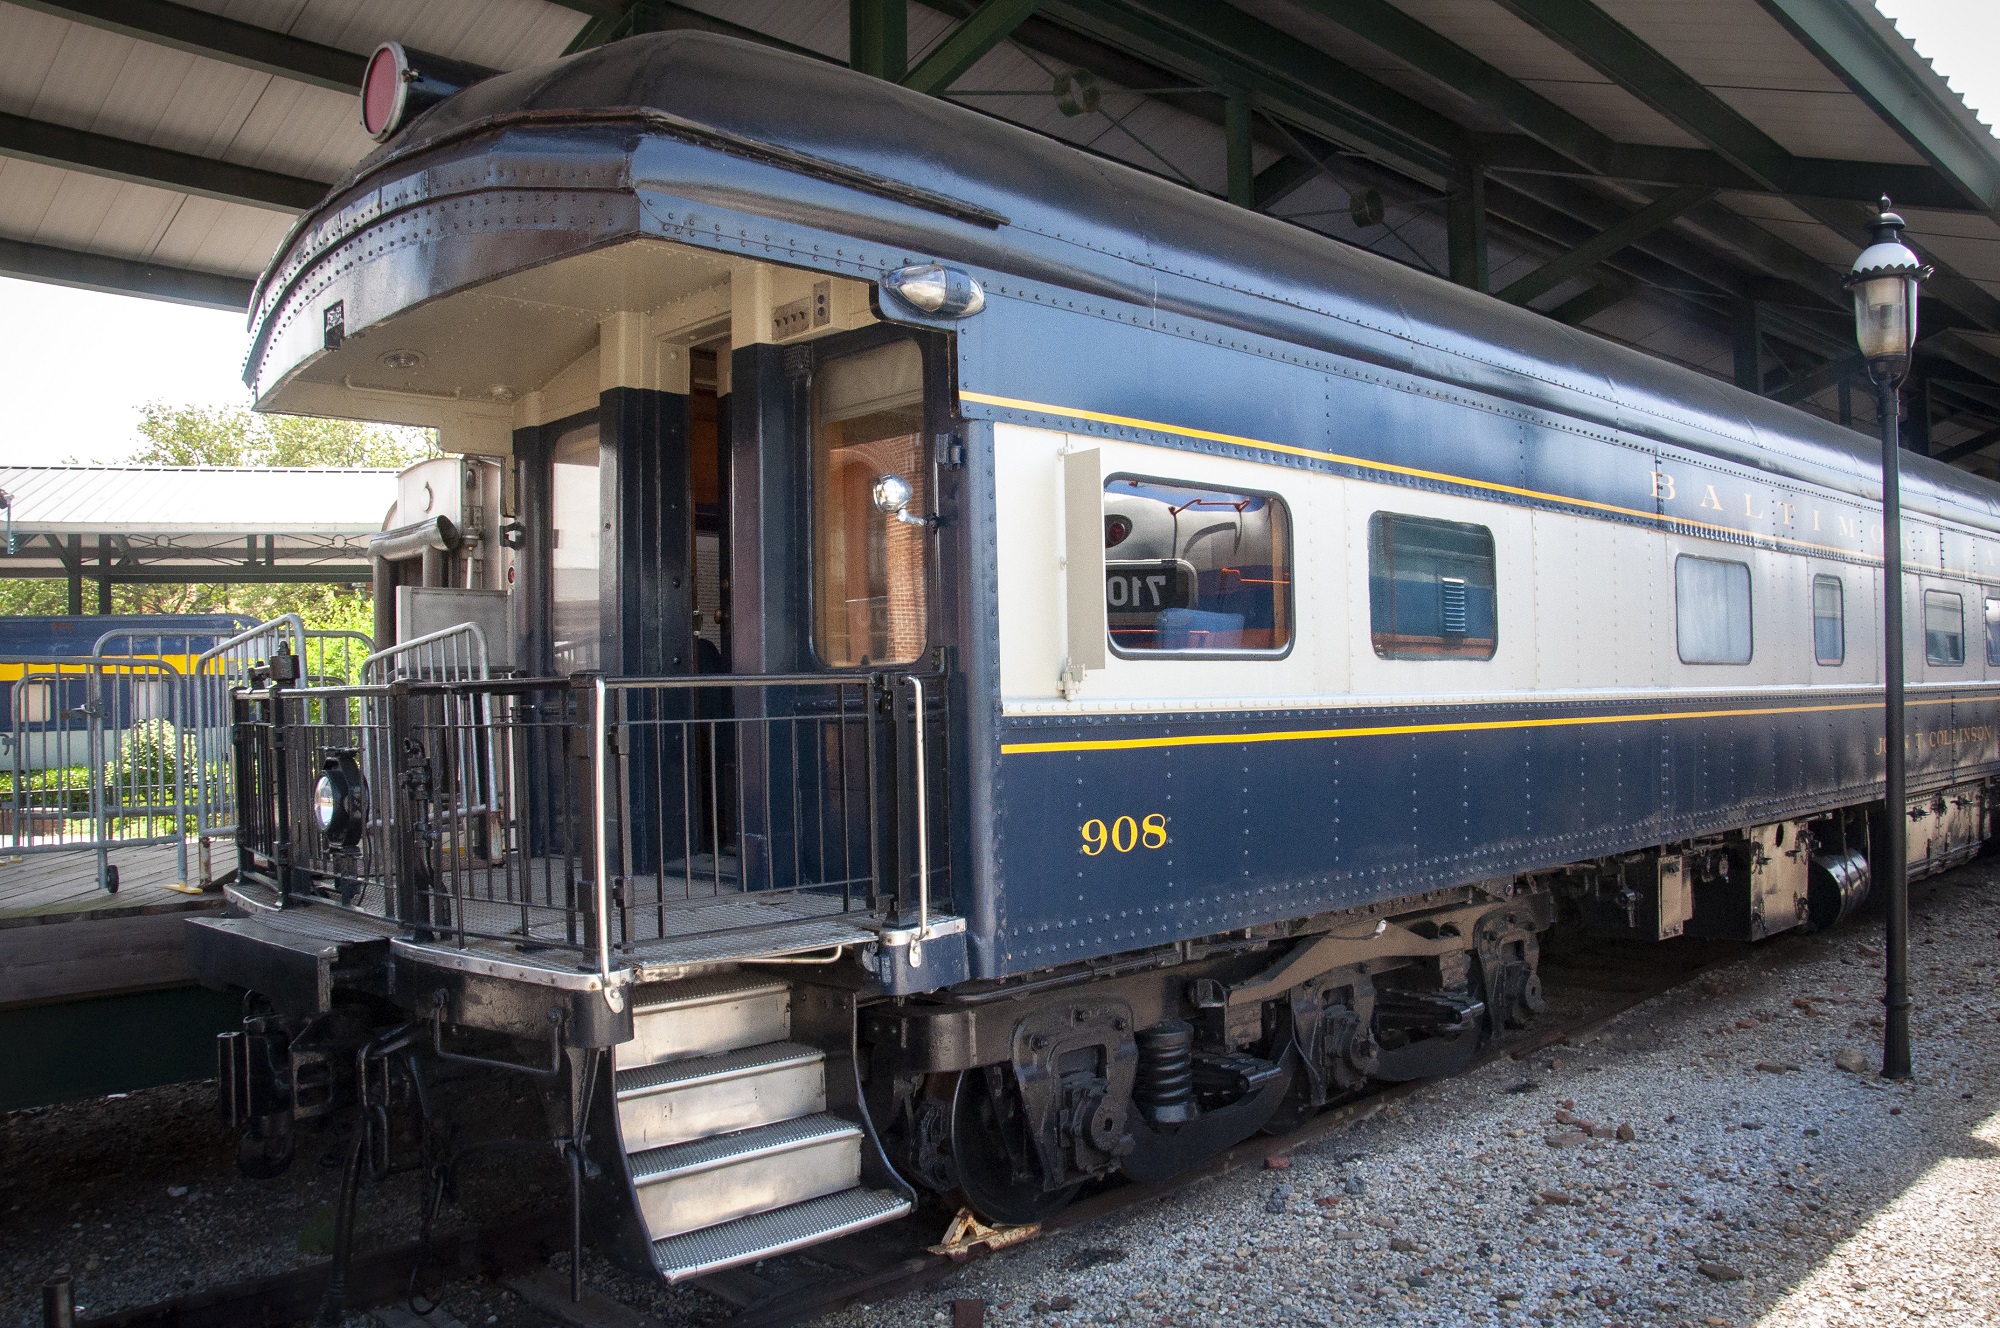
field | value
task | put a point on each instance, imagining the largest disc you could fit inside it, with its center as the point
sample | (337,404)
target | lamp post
(1884,281)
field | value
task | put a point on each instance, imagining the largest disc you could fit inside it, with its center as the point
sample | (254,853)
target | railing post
(600,829)
(404,808)
(240,762)
(281,792)
(920,783)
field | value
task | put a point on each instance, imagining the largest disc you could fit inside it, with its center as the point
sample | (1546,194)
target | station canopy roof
(191,523)
(1691,177)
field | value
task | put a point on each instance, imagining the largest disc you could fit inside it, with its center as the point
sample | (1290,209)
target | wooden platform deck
(63,884)
(64,938)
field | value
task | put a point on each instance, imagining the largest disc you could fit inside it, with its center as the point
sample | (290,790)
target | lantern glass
(1885,315)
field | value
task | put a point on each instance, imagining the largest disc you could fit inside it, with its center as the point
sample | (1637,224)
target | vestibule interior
(661,421)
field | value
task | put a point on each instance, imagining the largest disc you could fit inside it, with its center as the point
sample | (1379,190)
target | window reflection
(869,594)
(1189,568)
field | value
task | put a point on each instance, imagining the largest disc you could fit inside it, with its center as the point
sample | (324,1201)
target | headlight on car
(340,799)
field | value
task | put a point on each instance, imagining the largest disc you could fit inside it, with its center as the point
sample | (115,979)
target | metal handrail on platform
(606,816)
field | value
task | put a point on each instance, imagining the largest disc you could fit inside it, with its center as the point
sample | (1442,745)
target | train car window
(1829,607)
(870,602)
(1944,627)
(1431,588)
(576,516)
(1712,610)
(1992,629)
(1194,569)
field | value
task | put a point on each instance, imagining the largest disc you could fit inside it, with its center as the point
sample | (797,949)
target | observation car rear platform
(972,671)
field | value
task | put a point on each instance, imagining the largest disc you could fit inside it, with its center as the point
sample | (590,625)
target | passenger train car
(1027,674)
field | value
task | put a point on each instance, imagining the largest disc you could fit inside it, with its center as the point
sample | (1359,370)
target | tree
(232,436)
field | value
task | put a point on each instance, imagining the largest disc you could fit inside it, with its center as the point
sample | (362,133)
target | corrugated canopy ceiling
(1687,176)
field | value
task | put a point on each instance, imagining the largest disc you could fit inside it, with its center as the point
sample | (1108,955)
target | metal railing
(611,817)
(96,756)
(130,745)
(324,658)
(451,654)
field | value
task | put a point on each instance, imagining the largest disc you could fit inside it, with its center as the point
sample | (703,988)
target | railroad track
(847,1272)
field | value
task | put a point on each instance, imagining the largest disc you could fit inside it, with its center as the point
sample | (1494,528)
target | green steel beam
(1947,286)
(878,38)
(1964,351)
(1746,327)
(1560,218)
(988,26)
(1289,79)
(1384,25)
(1970,447)
(1277,181)
(1615,51)
(1864,51)
(1465,231)
(1237,120)
(1579,308)
(164,168)
(1660,212)
(213,37)
(1827,375)
(122,276)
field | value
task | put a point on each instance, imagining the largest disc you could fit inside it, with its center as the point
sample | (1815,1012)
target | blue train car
(44,702)
(1032,674)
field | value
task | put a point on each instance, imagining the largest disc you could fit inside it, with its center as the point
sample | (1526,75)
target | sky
(76,366)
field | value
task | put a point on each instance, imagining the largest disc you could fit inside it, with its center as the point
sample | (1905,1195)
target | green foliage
(66,787)
(147,764)
(232,436)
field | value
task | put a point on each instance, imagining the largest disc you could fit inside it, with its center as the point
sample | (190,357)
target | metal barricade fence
(97,757)
(451,654)
(209,674)
(217,671)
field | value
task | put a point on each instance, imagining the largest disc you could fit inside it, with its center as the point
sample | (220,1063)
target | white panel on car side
(1862,587)
(1331,594)
(1560,657)
(1626,586)
(1027,495)
(1784,620)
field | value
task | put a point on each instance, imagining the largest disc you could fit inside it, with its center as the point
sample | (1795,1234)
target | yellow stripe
(1492,486)
(1470,726)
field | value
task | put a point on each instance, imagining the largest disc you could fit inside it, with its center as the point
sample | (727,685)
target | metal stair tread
(654,1165)
(762,1235)
(769,940)
(655,996)
(719,1065)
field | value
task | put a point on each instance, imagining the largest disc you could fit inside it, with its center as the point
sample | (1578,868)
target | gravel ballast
(1703,1160)
(1761,1183)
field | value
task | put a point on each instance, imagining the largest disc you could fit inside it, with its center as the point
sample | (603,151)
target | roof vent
(400,84)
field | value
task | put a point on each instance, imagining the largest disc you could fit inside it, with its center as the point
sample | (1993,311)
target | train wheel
(999,1169)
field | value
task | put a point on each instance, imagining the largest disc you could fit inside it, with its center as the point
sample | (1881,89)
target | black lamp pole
(1884,281)
(1895,820)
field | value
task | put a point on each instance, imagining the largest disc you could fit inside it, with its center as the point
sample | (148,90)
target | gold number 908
(1124,834)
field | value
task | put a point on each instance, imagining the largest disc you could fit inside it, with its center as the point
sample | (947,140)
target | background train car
(42,704)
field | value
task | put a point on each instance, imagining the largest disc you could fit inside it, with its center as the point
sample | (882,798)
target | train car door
(825,581)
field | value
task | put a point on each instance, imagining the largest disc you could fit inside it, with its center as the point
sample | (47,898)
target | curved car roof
(1097,225)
